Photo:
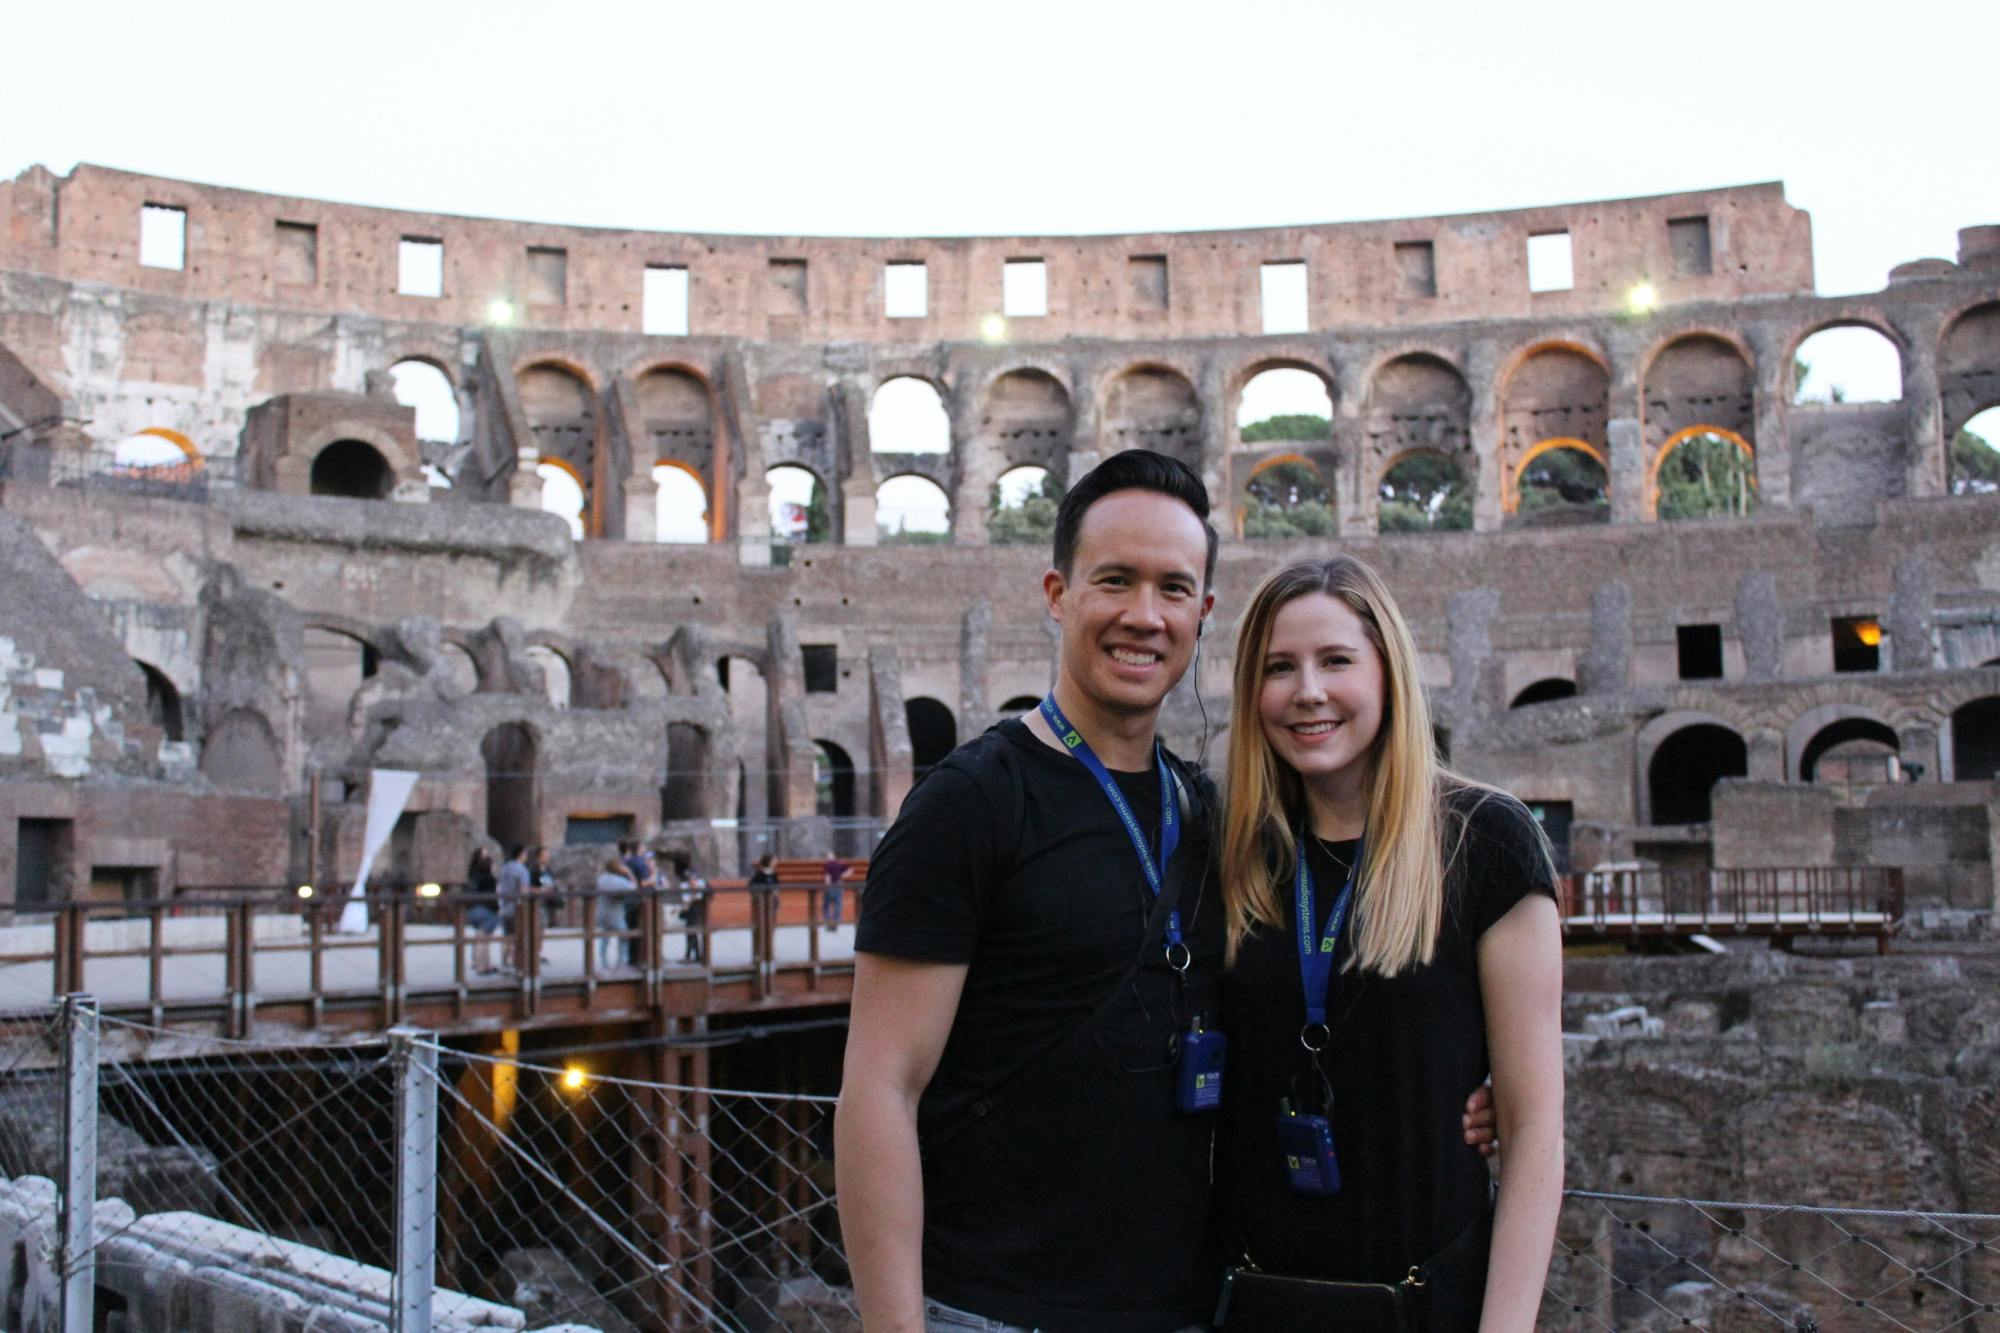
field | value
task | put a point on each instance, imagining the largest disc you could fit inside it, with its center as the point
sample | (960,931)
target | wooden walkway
(1783,904)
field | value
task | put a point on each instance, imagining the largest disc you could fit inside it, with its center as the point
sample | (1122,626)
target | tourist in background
(615,887)
(764,908)
(515,883)
(694,905)
(482,910)
(638,859)
(831,903)
(1393,935)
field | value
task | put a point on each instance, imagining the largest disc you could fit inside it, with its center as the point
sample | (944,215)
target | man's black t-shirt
(1405,1053)
(1079,1202)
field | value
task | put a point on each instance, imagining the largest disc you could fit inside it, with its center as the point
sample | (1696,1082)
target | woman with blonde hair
(1393,937)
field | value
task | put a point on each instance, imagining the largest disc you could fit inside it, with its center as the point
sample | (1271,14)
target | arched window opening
(1417,402)
(1286,498)
(833,781)
(1698,383)
(680,506)
(1975,741)
(1545,691)
(1028,411)
(1022,508)
(1847,364)
(1285,404)
(907,416)
(163,703)
(562,495)
(335,665)
(421,385)
(509,753)
(1686,767)
(555,673)
(157,457)
(912,511)
(687,772)
(1852,750)
(1705,474)
(1152,407)
(799,514)
(1560,485)
(352,470)
(933,732)
(1975,455)
(240,751)
(1425,492)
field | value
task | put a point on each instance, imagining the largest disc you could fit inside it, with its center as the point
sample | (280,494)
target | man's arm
(902,1014)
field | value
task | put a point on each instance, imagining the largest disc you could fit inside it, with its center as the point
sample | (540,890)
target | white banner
(388,790)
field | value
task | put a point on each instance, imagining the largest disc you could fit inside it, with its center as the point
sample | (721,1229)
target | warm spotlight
(305,890)
(1643,298)
(993,328)
(1869,633)
(574,1079)
(500,312)
(429,890)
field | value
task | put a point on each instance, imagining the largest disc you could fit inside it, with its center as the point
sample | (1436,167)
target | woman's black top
(1404,1054)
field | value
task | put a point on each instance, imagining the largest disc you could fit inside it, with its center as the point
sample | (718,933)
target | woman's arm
(1520,981)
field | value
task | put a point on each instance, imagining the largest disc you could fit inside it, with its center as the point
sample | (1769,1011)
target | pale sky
(906,118)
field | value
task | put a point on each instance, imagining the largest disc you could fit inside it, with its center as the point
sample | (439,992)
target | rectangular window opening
(298,254)
(822,667)
(596,831)
(1416,264)
(162,236)
(1688,238)
(663,304)
(1551,265)
(1857,643)
(1147,276)
(1024,288)
(1555,817)
(42,851)
(1700,649)
(420,266)
(906,290)
(1284,296)
(787,293)
(548,275)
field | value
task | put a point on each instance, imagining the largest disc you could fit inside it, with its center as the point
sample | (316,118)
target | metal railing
(403,1184)
(1781,903)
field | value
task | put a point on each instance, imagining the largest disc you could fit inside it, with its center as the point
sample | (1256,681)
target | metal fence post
(413,1057)
(76,1260)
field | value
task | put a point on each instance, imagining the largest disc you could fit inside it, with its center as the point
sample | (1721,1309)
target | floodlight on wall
(500,312)
(1870,633)
(1643,298)
(993,328)
(429,890)
(305,890)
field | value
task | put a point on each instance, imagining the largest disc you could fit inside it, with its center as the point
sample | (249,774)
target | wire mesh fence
(236,1179)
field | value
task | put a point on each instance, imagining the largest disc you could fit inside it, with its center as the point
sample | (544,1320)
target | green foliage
(1287,500)
(1029,523)
(913,537)
(1707,476)
(1425,493)
(1975,465)
(1562,477)
(819,522)
(1288,426)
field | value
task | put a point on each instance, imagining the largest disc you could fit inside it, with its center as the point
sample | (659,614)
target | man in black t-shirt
(1008,1141)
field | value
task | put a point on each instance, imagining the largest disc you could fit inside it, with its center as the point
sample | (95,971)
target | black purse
(1254,1301)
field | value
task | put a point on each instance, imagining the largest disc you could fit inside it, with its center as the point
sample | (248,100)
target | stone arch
(351,469)
(682,510)
(911,508)
(1151,406)
(1880,742)
(1856,333)
(907,415)
(1969,365)
(1423,490)
(425,385)
(558,671)
(1975,740)
(795,518)
(1301,503)
(677,419)
(189,453)
(1292,398)
(833,781)
(241,751)
(1546,690)
(933,731)
(1555,395)
(1417,400)
(336,656)
(1680,757)
(566,494)
(560,404)
(1589,473)
(1814,721)
(163,702)
(1026,419)
(1697,378)
(684,793)
(510,758)
(1748,476)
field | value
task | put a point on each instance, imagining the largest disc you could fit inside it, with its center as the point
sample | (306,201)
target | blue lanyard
(1170,824)
(1316,963)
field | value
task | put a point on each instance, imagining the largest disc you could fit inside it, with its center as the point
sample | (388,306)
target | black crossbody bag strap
(1156,929)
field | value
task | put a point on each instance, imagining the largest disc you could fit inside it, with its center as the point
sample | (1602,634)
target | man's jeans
(940,1318)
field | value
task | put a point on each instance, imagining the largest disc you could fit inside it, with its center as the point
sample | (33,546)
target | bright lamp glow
(305,890)
(573,1078)
(1869,633)
(500,312)
(1643,298)
(993,328)
(429,890)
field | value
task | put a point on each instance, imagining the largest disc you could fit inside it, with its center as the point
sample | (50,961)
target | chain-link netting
(626,1205)
(1636,1264)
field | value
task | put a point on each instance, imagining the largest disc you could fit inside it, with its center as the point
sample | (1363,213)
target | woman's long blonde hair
(1399,902)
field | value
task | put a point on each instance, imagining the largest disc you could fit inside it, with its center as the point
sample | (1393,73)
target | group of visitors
(496,899)
(1132,1055)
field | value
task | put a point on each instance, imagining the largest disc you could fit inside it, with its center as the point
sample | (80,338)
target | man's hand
(1478,1121)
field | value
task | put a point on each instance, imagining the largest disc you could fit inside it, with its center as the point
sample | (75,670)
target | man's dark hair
(515,851)
(1132,470)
